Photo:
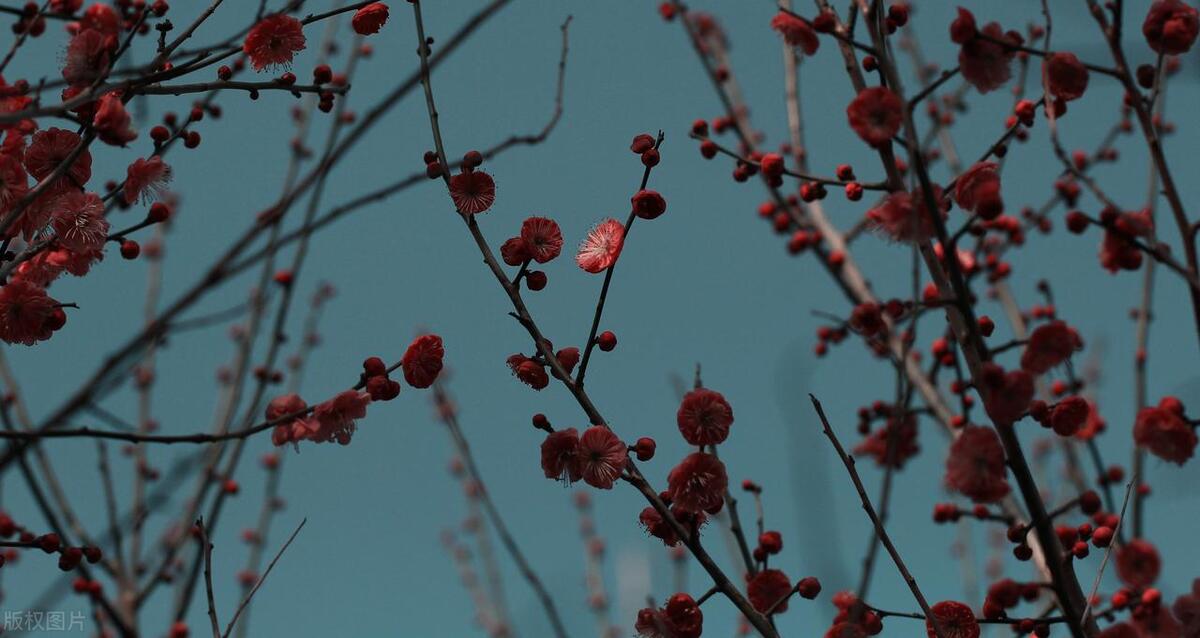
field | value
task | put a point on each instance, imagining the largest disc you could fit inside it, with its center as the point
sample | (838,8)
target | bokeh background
(706,283)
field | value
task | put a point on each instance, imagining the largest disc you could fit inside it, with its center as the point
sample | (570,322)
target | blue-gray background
(706,282)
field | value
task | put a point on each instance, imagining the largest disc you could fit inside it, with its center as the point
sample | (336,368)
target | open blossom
(49,148)
(846,630)
(1117,252)
(681,617)
(796,32)
(1120,630)
(1066,77)
(1164,431)
(602,246)
(1187,610)
(274,41)
(336,417)
(112,121)
(368,19)
(14,183)
(1050,345)
(602,457)
(146,180)
(514,252)
(568,358)
(87,57)
(560,455)
(27,314)
(875,114)
(698,483)
(1138,563)
(1158,622)
(473,192)
(79,222)
(1171,27)
(284,405)
(529,371)
(1006,394)
(767,588)
(101,17)
(76,262)
(984,62)
(1069,415)
(704,417)
(893,444)
(292,431)
(904,217)
(975,467)
(978,190)
(955,619)
(659,528)
(422,361)
(541,238)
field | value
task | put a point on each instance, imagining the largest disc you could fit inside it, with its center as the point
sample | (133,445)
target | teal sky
(707,282)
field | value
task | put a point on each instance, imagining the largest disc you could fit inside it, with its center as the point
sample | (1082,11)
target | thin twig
(262,579)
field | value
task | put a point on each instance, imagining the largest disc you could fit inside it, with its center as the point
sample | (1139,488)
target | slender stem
(880,530)
(608,274)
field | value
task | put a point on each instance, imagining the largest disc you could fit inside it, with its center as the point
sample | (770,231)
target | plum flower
(1187,610)
(79,222)
(978,190)
(1066,76)
(903,216)
(1138,563)
(77,263)
(473,192)
(1164,432)
(561,455)
(284,405)
(767,588)
(529,371)
(1049,345)
(514,252)
(541,238)
(659,528)
(422,361)
(368,19)
(146,180)
(274,41)
(27,314)
(87,57)
(101,17)
(50,148)
(602,246)
(796,31)
(602,457)
(985,63)
(648,204)
(680,618)
(1171,27)
(875,114)
(704,417)
(336,417)
(112,121)
(955,619)
(1117,252)
(287,432)
(893,444)
(1006,394)
(975,466)
(698,483)
(1158,623)
(14,183)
